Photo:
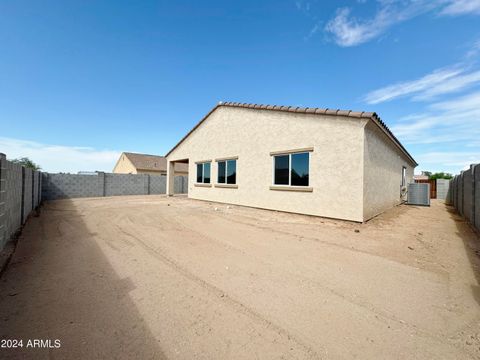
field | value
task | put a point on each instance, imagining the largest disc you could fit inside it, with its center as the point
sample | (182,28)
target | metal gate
(433,187)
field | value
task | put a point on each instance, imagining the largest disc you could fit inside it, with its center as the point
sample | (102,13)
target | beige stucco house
(133,163)
(332,163)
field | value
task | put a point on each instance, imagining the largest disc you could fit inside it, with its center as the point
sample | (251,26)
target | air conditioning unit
(418,194)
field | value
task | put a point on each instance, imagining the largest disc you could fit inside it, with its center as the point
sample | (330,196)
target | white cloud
(439,82)
(312,32)
(460,7)
(470,102)
(57,158)
(440,160)
(453,84)
(348,30)
(446,123)
(429,83)
(474,50)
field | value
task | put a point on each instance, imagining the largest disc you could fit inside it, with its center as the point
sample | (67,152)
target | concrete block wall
(13,199)
(460,194)
(181,184)
(3,194)
(37,188)
(466,194)
(17,197)
(158,184)
(443,187)
(476,196)
(61,186)
(64,186)
(126,184)
(453,190)
(27,192)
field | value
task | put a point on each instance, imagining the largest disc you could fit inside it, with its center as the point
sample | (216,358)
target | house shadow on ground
(59,285)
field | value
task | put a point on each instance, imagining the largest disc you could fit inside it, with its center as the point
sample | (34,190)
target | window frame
(289,186)
(226,184)
(404,176)
(203,183)
(226,171)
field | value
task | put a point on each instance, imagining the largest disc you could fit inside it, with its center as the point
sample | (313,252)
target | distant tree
(427,173)
(24,161)
(440,175)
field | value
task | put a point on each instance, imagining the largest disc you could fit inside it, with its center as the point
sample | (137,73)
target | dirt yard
(151,277)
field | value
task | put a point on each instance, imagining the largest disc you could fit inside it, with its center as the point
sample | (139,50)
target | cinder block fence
(22,190)
(465,194)
(62,186)
(20,193)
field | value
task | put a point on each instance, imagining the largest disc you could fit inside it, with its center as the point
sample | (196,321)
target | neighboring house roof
(152,162)
(420,177)
(317,111)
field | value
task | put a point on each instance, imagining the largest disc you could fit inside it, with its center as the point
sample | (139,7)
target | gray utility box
(418,194)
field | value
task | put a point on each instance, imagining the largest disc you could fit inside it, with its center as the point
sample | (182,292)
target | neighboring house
(421,177)
(332,163)
(132,163)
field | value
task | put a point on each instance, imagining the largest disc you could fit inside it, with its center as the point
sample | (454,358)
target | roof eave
(378,121)
(305,110)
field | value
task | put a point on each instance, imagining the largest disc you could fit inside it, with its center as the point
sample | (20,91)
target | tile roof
(152,162)
(306,110)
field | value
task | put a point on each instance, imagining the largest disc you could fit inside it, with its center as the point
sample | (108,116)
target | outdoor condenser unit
(418,194)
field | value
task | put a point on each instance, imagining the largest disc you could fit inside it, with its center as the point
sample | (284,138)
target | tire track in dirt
(238,306)
(379,314)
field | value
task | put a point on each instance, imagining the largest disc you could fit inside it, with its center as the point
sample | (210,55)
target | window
(282,164)
(222,168)
(404,176)
(227,172)
(203,173)
(291,169)
(299,170)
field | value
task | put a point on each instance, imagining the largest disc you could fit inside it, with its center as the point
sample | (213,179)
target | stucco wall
(336,164)
(124,166)
(149,172)
(382,172)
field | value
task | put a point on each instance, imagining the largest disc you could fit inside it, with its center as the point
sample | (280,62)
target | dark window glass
(231,171)
(281,170)
(206,173)
(299,172)
(221,172)
(199,173)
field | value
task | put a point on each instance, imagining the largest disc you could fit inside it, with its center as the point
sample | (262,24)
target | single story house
(423,176)
(330,163)
(132,163)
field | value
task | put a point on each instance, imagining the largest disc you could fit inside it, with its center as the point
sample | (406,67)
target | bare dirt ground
(151,277)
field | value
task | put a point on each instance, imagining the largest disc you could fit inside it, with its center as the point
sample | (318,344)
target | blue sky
(81,81)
